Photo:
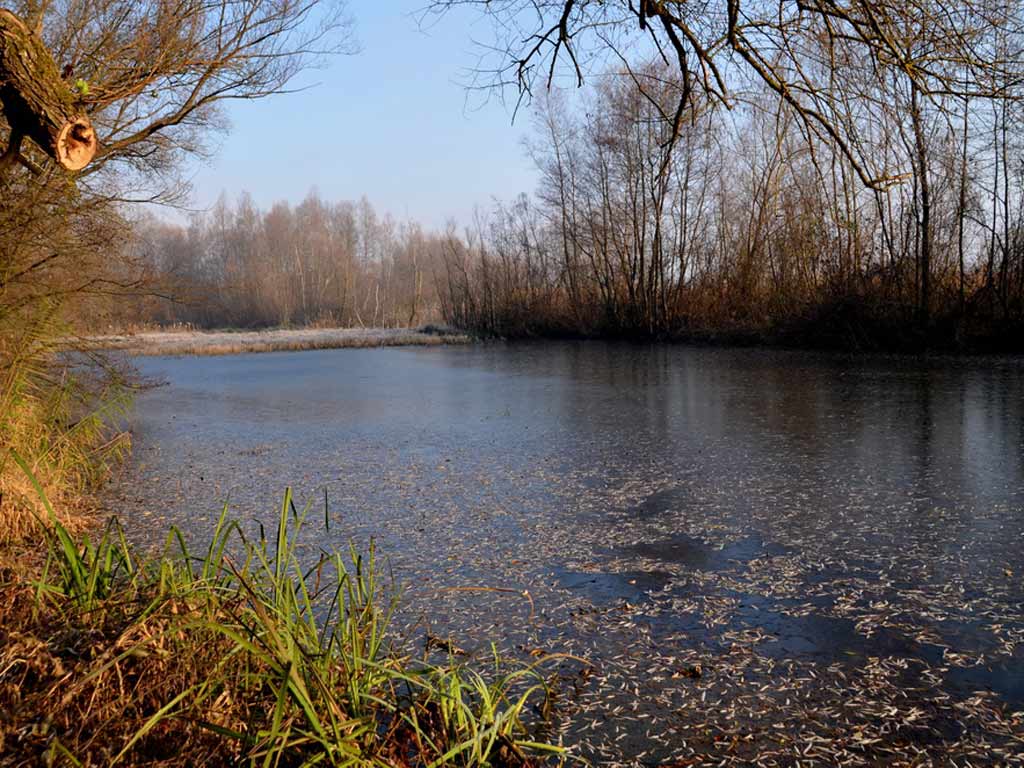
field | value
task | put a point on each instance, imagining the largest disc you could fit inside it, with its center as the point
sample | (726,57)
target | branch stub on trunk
(76,144)
(36,102)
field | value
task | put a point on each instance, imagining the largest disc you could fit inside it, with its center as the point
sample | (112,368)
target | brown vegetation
(745,228)
(59,415)
(147,77)
(839,175)
(314,264)
(187,342)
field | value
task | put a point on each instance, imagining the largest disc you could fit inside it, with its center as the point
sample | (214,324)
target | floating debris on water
(720,574)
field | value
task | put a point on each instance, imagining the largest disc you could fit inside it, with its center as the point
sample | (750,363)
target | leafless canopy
(812,53)
(151,73)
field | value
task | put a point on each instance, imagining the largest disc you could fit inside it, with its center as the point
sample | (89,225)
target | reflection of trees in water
(884,448)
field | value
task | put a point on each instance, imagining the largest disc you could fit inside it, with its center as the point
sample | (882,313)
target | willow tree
(101,101)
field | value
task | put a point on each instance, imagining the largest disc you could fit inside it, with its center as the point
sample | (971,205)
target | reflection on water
(838,544)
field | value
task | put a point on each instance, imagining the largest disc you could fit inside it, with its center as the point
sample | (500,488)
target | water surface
(767,556)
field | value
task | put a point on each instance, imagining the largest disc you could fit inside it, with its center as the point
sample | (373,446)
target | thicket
(744,227)
(317,263)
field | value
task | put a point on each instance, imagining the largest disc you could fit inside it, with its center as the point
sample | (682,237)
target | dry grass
(238,655)
(70,459)
(59,414)
(190,342)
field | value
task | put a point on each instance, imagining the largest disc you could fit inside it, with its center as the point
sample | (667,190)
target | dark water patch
(827,639)
(603,588)
(695,553)
(1005,679)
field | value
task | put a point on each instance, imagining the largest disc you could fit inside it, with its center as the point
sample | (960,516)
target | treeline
(843,173)
(337,264)
(742,226)
(747,226)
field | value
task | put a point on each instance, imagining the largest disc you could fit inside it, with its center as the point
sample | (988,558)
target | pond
(765,556)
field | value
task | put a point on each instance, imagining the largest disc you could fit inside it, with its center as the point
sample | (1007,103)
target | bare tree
(800,49)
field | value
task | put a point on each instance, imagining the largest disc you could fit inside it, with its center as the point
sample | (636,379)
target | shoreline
(201,343)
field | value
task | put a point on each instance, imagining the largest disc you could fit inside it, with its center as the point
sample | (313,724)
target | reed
(237,653)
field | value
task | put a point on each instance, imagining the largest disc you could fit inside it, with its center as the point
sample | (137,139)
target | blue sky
(391,122)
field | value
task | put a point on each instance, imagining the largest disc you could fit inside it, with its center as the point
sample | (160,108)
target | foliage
(240,654)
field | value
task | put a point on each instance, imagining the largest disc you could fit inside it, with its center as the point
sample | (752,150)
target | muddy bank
(237,342)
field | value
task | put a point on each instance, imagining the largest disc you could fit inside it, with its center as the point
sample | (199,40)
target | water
(764,556)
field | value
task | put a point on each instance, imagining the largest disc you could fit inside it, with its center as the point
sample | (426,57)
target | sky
(393,122)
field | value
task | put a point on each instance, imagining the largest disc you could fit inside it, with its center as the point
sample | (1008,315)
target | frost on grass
(190,342)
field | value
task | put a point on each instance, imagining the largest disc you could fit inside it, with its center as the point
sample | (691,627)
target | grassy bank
(236,654)
(196,342)
(59,411)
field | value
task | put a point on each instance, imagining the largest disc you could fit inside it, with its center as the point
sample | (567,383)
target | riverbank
(196,342)
(856,326)
(235,653)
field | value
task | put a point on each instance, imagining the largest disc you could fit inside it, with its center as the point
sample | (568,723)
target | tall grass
(59,411)
(237,654)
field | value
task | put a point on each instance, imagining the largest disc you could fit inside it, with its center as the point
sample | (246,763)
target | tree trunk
(926,207)
(36,102)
